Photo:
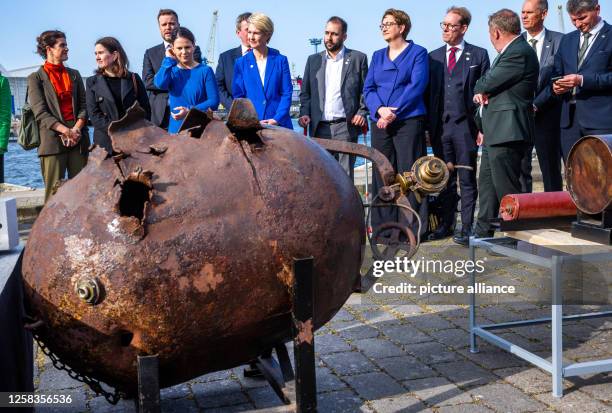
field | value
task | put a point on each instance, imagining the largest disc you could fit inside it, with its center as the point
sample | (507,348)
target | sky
(134,23)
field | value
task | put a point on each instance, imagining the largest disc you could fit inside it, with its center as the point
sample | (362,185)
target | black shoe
(440,233)
(463,238)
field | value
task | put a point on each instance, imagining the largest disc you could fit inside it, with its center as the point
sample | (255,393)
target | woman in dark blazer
(263,76)
(394,93)
(112,90)
(57,96)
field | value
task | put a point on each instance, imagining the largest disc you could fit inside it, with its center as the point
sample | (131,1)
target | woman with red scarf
(57,97)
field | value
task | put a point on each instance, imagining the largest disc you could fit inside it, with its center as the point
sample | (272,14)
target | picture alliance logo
(412,267)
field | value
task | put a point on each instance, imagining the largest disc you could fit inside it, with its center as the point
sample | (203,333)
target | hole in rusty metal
(125,338)
(134,197)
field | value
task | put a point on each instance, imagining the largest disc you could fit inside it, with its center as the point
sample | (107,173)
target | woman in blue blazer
(394,93)
(263,76)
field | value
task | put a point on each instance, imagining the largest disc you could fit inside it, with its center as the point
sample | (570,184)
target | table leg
(473,347)
(557,326)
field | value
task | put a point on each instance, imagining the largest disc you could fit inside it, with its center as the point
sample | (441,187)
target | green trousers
(54,167)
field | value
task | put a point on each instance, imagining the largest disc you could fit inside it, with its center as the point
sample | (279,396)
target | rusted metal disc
(589,173)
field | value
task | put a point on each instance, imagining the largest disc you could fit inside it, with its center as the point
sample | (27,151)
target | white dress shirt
(458,52)
(540,42)
(333,107)
(261,67)
(245,49)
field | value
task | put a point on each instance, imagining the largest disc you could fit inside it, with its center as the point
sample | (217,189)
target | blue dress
(191,88)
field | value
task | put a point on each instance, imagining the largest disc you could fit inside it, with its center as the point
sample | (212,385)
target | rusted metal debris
(182,246)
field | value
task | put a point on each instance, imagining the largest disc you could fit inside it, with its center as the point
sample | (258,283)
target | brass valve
(88,290)
(429,175)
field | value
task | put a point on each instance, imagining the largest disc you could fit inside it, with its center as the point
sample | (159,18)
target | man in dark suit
(331,101)
(168,22)
(506,117)
(227,59)
(585,62)
(547,110)
(453,71)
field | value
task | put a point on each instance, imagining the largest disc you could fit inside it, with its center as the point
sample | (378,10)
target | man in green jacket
(5,121)
(505,117)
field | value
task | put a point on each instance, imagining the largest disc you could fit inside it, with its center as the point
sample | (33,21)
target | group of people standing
(544,89)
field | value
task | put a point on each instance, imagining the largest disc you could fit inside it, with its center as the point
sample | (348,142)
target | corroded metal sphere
(182,246)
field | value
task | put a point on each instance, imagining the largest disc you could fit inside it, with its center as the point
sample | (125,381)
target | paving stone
(465,374)
(437,391)
(404,403)
(598,386)
(217,375)
(495,358)
(176,392)
(351,362)
(218,393)
(77,403)
(430,322)
(504,397)
(405,334)
(377,316)
(54,379)
(456,337)
(100,405)
(465,408)
(431,353)
(530,380)
(498,314)
(359,332)
(372,386)
(462,322)
(527,344)
(250,382)
(406,368)
(340,402)
(184,405)
(572,402)
(330,343)
(327,381)
(231,409)
(377,348)
(407,310)
(264,397)
(343,315)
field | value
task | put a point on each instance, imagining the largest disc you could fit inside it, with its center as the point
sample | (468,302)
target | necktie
(452,59)
(247,50)
(583,49)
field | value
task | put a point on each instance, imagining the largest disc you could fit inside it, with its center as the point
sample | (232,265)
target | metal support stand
(148,385)
(303,343)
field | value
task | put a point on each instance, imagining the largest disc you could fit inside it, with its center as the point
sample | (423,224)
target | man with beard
(168,22)
(453,71)
(331,101)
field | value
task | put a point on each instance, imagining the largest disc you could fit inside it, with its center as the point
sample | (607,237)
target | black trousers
(500,168)
(571,135)
(548,149)
(402,142)
(459,147)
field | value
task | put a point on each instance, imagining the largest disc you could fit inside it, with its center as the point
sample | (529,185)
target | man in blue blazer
(453,71)
(168,22)
(585,62)
(547,110)
(227,59)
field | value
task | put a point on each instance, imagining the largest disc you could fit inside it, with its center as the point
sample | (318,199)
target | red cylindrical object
(537,205)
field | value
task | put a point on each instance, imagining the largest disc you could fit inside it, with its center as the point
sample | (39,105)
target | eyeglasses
(386,25)
(448,26)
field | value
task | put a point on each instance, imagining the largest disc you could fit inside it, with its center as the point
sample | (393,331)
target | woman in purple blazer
(394,93)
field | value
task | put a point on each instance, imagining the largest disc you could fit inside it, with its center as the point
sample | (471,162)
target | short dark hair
(120,68)
(401,18)
(241,18)
(340,21)
(464,13)
(543,5)
(506,20)
(167,12)
(46,39)
(184,33)
(577,6)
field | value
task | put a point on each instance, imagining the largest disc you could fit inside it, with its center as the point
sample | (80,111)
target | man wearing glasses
(453,71)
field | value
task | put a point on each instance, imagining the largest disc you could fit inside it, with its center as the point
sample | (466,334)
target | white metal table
(507,247)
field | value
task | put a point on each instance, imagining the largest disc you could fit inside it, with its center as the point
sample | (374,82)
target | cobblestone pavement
(402,355)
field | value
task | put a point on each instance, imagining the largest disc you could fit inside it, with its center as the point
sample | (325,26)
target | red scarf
(60,79)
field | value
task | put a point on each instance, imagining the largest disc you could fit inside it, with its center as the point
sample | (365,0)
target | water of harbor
(22,167)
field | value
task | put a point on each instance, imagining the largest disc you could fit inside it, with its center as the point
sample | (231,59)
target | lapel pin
(251,66)
(467,58)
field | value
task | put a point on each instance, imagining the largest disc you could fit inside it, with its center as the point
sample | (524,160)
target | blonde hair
(263,23)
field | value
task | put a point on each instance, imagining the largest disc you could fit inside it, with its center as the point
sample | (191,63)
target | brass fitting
(88,290)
